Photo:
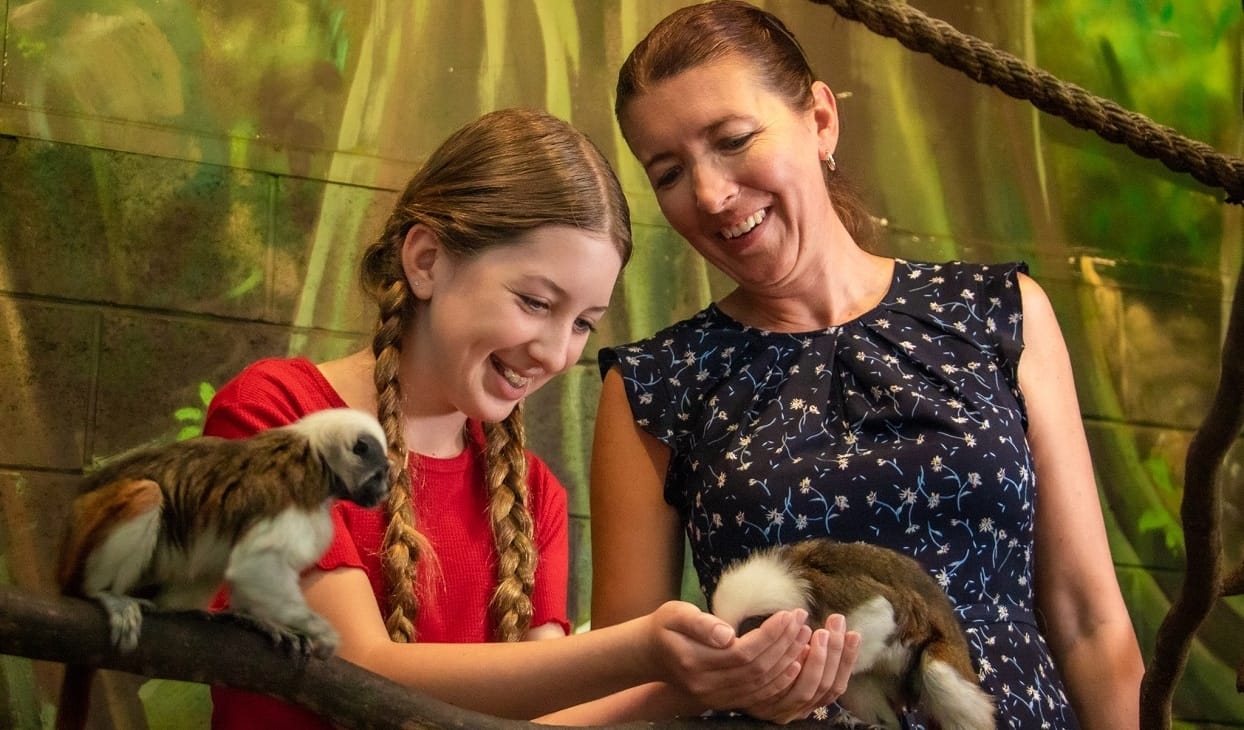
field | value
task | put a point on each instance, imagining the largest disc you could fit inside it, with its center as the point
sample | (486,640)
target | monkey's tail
(75,697)
(953,701)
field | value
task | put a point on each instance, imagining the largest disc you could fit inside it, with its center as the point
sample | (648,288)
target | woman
(494,267)
(838,392)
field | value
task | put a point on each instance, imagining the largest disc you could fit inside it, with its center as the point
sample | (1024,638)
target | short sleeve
(646,388)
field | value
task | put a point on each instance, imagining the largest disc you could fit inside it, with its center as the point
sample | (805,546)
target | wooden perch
(199,647)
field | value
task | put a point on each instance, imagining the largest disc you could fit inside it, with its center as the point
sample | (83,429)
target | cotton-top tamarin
(167,526)
(912,652)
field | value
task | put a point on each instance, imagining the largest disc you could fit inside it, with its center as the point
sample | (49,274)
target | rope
(987,65)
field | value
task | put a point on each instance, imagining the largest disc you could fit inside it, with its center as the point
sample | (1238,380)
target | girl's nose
(555,349)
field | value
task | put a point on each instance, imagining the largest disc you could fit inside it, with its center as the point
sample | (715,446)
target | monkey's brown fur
(843,575)
(237,482)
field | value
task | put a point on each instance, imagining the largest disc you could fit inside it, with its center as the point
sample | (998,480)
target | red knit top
(450,502)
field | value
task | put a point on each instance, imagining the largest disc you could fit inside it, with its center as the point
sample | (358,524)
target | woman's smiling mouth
(744,227)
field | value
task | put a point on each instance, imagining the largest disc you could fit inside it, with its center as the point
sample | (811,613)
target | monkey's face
(352,445)
(360,471)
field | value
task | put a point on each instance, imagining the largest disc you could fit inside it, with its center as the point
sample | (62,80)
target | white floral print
(924,386)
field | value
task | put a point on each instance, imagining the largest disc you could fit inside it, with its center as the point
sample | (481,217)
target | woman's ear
(825,117)
(420,251)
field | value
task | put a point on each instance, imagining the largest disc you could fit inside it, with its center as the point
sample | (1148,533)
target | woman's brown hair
(506,173)
(708,32)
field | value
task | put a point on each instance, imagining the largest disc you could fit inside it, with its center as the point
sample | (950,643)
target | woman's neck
(843,284)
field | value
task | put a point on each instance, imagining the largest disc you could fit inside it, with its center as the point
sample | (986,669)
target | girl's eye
(533,304)
(584,327)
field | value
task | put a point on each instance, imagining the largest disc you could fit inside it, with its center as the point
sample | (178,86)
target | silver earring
(830,163)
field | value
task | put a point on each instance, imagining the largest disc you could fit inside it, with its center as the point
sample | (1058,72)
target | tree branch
(212,649)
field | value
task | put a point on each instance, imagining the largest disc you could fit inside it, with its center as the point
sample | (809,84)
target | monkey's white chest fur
(262,569)
(912,652)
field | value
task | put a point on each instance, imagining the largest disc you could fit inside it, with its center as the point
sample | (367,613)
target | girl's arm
(1089,629)
(677,643)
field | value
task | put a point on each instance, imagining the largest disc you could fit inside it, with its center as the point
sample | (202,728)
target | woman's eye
(735,143)
(666,179)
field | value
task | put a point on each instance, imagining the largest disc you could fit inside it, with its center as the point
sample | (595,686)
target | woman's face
(736,170)
(496,327)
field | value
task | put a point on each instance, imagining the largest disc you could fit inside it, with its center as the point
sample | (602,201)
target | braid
(513,533)
(403,545)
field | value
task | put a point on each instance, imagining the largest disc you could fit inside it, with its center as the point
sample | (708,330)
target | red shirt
(451,512)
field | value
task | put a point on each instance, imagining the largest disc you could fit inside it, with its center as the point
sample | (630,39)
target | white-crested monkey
(912,652)
(168,526)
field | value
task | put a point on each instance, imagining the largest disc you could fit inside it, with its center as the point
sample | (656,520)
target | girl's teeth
(752,221)
(514,378)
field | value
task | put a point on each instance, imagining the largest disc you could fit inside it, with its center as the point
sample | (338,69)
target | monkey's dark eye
(360,448)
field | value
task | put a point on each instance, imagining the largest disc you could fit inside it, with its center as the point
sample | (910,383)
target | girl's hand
(826,666)
(700,654)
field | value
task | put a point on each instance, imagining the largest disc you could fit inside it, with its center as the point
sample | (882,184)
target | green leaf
(189,413)
(206,393)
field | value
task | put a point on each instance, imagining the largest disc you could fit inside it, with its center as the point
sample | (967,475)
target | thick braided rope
(986,64)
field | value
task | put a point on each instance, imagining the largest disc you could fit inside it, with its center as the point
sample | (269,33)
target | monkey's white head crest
(760,585)
(352,444)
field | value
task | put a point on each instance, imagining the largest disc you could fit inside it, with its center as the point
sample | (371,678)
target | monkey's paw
(310,636)
(125,619)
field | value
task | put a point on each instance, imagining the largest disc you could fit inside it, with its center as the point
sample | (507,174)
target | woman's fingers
(826,666)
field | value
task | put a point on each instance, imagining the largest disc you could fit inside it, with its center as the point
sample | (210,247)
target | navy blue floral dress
(904,427)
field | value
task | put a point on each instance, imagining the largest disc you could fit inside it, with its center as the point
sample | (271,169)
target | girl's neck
(436,434)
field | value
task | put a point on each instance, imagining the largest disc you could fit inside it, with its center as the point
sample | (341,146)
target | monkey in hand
(168,526)
(913,653)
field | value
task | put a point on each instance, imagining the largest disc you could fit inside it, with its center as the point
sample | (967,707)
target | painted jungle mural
(185,187)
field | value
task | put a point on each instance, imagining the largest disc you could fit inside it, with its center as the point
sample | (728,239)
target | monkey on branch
(166,527)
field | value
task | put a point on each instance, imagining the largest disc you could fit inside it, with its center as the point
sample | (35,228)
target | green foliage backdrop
(185,187)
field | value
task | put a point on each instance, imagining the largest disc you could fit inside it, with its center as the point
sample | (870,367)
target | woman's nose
(713,189)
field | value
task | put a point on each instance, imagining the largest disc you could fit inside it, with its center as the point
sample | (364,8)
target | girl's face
(496,327)
(736,170)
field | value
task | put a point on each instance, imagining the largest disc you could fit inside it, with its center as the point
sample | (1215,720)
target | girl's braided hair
(504,174)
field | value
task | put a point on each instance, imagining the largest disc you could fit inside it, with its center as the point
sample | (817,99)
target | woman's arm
(677,643)
(637,561)
(637,541)
(1089,629)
